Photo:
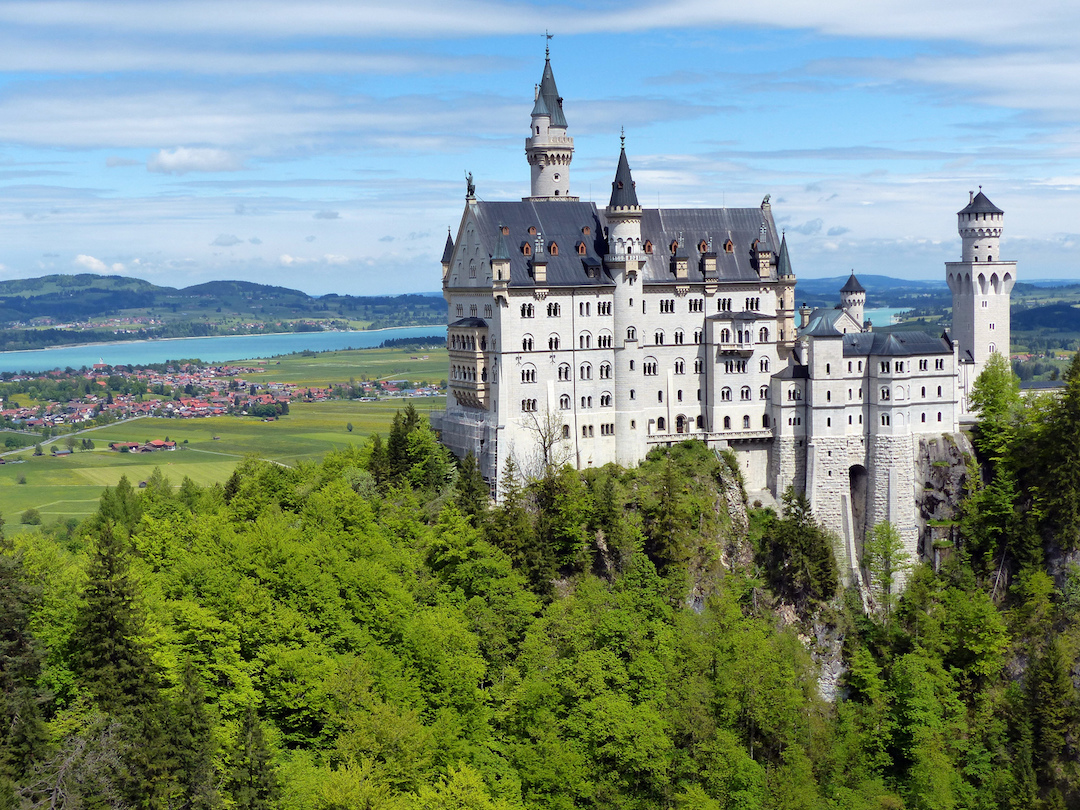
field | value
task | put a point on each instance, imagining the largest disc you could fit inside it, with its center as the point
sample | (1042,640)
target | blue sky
(323,145)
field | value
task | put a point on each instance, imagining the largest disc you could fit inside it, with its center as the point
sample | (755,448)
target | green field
(339,367)
(69,486)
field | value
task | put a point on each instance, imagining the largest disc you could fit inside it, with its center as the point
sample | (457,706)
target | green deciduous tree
(886,563)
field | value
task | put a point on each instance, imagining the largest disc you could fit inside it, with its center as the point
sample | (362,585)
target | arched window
(584,341)
(744,393)
(528,374)
(648,246)
(527,343)
(746,422)
(885,419)
(661,424)
(605,400)
(725,395)
(763,393)
(586,371)
(553,343)
(553,310)
(605,371)
(631,333)
(553,248)
(727,423)
(699,365)
(660,396)
(680,367)
(678,337)
(884,395)
(765,421)
(564,402)
(566,431)
(725,336)
(764,364)
(564,371)
(763,335)
(700,423)
(658,338)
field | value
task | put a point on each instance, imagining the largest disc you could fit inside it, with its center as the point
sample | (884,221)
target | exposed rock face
(941,480)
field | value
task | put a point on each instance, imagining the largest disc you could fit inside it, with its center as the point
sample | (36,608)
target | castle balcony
(613,258)
(744,349)
(718,437)
(470,393)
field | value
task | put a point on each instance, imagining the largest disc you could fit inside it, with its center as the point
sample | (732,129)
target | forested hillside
(368,633)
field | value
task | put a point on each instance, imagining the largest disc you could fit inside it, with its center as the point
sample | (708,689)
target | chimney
(804,316)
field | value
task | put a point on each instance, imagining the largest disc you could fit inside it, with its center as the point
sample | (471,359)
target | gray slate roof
(895,344)
(852,285)
(448,250)
(980,205)
(784,263)
(742,225)
(560,222)
(623,193)
(469,323)
(550,95)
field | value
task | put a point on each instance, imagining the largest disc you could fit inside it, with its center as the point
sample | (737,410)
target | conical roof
(784,268)
(502,252)
(852,285)
(549,93)
(623,193)
(980,204)
(448,251)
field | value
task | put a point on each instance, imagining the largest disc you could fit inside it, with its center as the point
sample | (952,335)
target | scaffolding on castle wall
(464,433)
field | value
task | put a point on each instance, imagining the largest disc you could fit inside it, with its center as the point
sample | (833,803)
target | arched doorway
(680,424)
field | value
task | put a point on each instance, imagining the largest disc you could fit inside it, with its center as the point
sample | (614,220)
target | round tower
(548,148)
(980,225)
(853,299)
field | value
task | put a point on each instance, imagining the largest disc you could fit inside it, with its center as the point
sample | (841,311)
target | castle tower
(786,290)
(981,285)
(853,298)
(624,257)
(548,148)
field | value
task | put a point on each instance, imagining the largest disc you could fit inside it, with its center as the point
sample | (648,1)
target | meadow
(64,487)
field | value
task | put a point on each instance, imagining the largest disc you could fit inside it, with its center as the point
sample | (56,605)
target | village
(185,391)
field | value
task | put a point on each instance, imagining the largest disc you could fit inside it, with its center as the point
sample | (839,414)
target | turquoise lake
(208,349)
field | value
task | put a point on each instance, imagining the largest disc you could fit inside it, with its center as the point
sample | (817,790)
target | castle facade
(587,335)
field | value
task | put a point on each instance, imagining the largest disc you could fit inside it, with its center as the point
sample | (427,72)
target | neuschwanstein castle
(590,335)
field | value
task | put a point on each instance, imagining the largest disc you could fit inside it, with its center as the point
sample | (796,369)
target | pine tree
(253,780)
(109,654)
(472,489)
(194,745)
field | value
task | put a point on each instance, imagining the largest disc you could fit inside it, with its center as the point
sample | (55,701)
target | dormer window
(526,250)
(674,246)
(532,230)
(581,248)
(729,247)
(586,230)
(702,246)
(553,249)
(648,247)
(505,230)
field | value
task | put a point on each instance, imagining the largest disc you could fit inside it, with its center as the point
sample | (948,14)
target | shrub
(31,517)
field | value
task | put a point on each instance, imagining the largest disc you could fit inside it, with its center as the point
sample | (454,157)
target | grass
(324,368)
(62,487)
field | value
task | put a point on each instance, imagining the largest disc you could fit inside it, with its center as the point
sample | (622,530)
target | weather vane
(547,45)
(622,137)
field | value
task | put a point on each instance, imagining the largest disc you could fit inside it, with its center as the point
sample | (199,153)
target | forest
(371,632)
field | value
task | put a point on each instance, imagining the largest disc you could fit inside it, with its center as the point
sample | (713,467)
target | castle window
(884,366)
(605,371)
(564,371)
(661,424)
(849,394)
(460,310)
(658,338)
(564,402)
(472,310)
(729,247)
(885,419)
(924,365)
(532,230)
(924,417)
(527,311)
(746,422)
(648,247)
(939,390)
(849,419)
(527,343)
(884,394)
(828,396)
(633,394)
(528,374)
(939,365)
(585,341)
(763,335)
(649,367)
(605,400)
(526,250)
(581,248)
(553,310)
(678,338)
(849,366)
(699,365)
(725,395)
(678,395)
(566,431)
(727,423)
(924,392)
(828,368)
(553,248)
(659,396)
(472,268)
(828,423)
(553,343)
(700,422)
(680,367)
(725,336)
(702,246)
(586,230)
(744,393)
(939,416)
(586,371)
(697,336)
(487,310)
(763,393)
(631,333)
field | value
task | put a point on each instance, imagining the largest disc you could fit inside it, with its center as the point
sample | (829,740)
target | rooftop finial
(622,137)
(547,45)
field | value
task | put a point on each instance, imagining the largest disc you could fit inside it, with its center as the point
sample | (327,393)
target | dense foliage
(370,632)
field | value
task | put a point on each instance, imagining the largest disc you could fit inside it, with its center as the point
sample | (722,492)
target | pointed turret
(784,264)
(447,255)
(623,190)
(548,148)
(853,298)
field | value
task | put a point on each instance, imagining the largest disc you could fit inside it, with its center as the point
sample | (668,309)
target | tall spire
(784,264)
(550,94)
(548,148)
(623,193)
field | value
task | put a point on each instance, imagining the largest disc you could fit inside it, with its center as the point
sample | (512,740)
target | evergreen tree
(885,560)
(1058,460)
(109,654)
(472,489)
(253,781)
(193,739)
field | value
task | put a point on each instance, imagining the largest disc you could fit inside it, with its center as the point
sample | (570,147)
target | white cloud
(185,159)
(226,240)
(330,258)
(97,265)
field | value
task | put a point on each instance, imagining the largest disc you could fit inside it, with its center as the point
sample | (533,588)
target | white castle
(591,335)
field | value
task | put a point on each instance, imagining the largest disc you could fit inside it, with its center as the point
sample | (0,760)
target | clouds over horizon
(130,129)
